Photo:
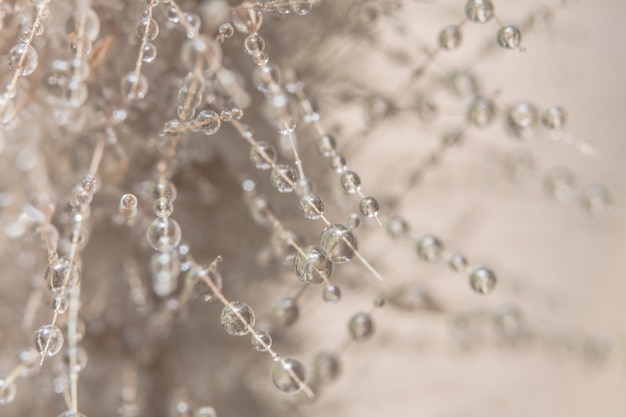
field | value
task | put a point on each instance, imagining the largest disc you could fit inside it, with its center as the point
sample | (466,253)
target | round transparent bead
(60,304)
(261,153)
(209,121)
(193,23)
(311,206)
(326,367)
(226,30)
(369,207)
(457,262)
(288,375)
(163,207)
(301,7)
(80,355)
(7,392)
(331,294)
(312,266)
(29,62)
(196,279)
(554,118)
(164,189)
(429,248)
(398,228)
(261,341)
(480,111)
(353,221)
(205,412)
(147,29)
(338,163)
(60,272)
(247,18)
(163,234)
(172,14)
(361,327)
(233,323)
(165,268)
(285,312)
(479,11)
(48,340)
(134,86)
(350,182)
(521,120)
(509,37)
(284,178)
(338,243)
(254,43)
(482,280)
(450,37)
(91,26)
(149,52)
(326,145)
(199,49)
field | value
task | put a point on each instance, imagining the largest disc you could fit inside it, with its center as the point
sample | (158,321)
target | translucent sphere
(331,294)
(326,367)
(480,111)
(429,248)
(338,243)
(60,272)
(261,154)
(264,77)
(91,28)
(285,312)
(209,121)
(24,54)
(480,11)
(457,262)
(450,37)
(237,318)
(311,206)
(163,234)
(163,207)
(350,182)
(147,29)
(284,178)
(246,18)
(254,44)
(288,375)
(509,37)
(369,207)
(48,340)
(7,392)
(195,278)
(398,228)
(361,327)
(482,280)
(149,52)
(312,266)
(338,164)
(521,120)
(80,354)
(261,341)
(133,86)
(164,189)
(60,304)
(326,145)
(554,118)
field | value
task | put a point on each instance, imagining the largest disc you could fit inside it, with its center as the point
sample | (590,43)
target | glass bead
(147,29)
(193,21)
(369,207)
(91,25)
(312,266)
(331,294)
(163,234)
(326,145)
(521,120)
(164,189)
(226,30)
(509,37)
(209,121)
(479,11)
(263,77)
(560,183)
(361,327)
(134,86)
(482,280)
(172,14)
(261,341)
(285,312)
(163,207)
(457,262)
(301,7)
(7,392)
(325,367)
(254,43)
(60,304)
(398,228)
(29,61)
(226,116)
(429,248)
(311,206)
(284,178)
(259,159)
(338,243)
(165,268)
(596,199)
(338,164)
(554,118)
(305,187)
(195,279)
(149,52)
(353,221)
(450,37)
(233,323)
(60,272)
(246,18)
(48,340)
(480,111)
(350,182)
(288,375)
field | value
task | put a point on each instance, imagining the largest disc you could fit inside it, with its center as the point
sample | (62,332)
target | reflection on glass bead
(521,120)
(261,341)
(482,280)
(480,11)
(7,392)
(311,206)
(369,207)
(196,279)
(147,29)
(91,25)
(288,375)
(164,189)
(254,43)
(350,182)
(325,367)
(60,304)
(480,111)
(60,272)
(149,52)
(312,266)
(326,145)
(338,243)
(450,37)
(361,327)
(285,312)
(509,37)
(554,118)
(259,160)
(163,207)
(48,340)
(29,62)
(338,163)
(134,87)
(163,234)
(331,294)
(284,178)
(429,248)
(237,318)
(209,121)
